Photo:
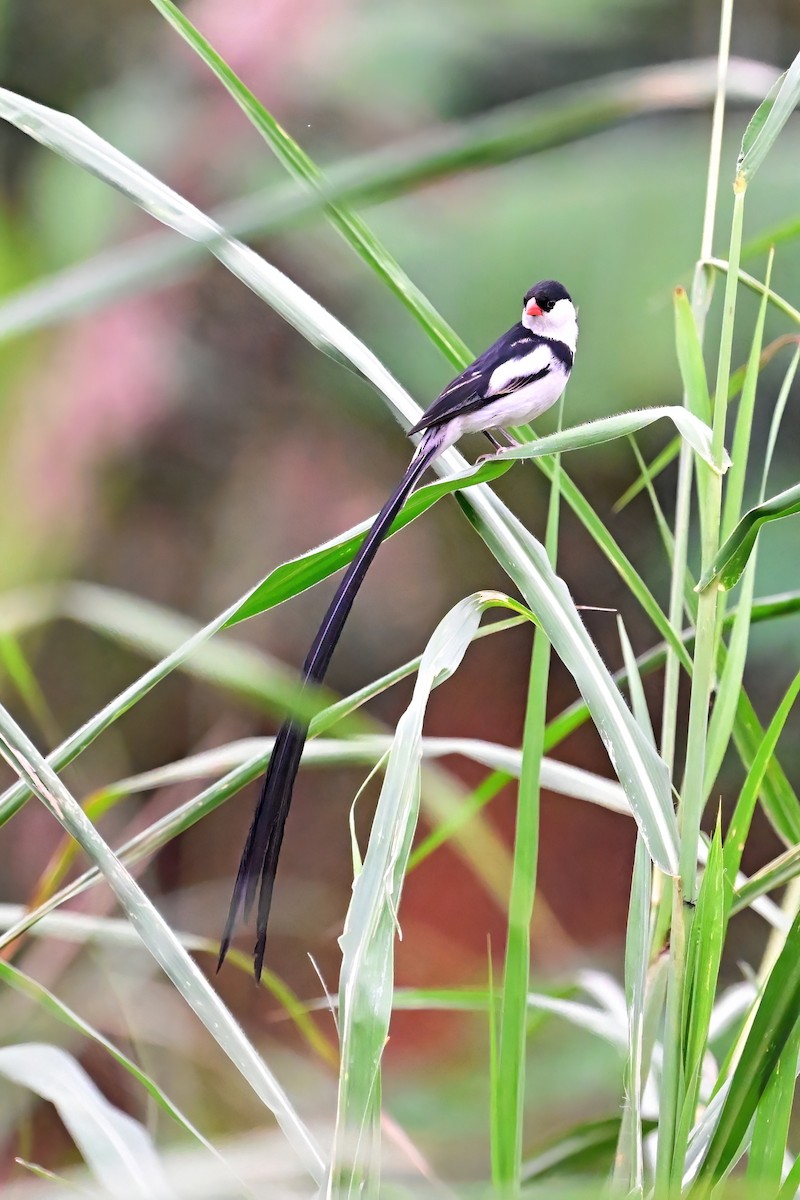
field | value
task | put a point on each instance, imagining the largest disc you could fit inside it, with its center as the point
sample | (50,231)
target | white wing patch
(536,360)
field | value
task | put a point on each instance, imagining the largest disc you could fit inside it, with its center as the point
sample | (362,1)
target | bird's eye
(546,305)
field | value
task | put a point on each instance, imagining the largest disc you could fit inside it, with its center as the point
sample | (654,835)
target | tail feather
(259,861)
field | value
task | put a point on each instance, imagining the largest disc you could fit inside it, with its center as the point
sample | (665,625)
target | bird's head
(548,310)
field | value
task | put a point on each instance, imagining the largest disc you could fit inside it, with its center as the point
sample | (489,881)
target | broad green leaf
(118,1151)
(729,564)
(768,121)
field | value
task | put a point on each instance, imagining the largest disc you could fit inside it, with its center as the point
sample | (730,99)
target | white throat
(561,323)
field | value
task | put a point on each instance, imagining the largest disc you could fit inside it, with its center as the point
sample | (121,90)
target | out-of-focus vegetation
(168,440)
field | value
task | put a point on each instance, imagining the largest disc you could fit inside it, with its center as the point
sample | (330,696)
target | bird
(514,381)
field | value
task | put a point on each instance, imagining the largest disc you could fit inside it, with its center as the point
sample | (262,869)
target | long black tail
(259,859)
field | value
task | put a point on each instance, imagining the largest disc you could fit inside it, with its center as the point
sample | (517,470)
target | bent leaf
(731,559)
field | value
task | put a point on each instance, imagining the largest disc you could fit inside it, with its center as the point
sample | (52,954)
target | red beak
(533,309)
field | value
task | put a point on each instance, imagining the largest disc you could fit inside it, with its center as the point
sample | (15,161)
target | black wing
(468,390)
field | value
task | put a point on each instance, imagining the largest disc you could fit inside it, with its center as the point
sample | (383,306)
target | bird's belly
(517,408)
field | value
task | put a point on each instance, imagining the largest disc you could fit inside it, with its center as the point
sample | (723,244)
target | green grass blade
(774,874)
(643,776)
(762,243)
(49,1003)
(588,1147)
(366,979)
(629,1163)
(739,826)
(781,804)
(728,565)
(735,483)
(509,1078)
(704,954)
(188,980)
(692,429)
(502,135)
(690,358)
(755,285)
(653,469)
(298,574)
(352,227)
(303,572)
(723,716)
(768,121)
(14,797)
(619,561)
(118,1150)
(774,1024)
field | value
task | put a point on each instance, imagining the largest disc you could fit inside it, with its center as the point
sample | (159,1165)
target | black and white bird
(520,376)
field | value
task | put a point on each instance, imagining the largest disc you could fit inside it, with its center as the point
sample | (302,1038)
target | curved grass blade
(117,1149)
(502,135)
(767,122)
(14,797)
(762,243)
(509,1076)
(351,226)
(643,775)
(692,429)
(670,452)
(729,564)
(720,726)
(295,576)
(189,981)
(755,285)
(366,979)
(39,995)
(704,954)
(298,574)
(588,1147)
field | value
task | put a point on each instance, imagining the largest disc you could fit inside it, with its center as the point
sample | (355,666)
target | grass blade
(728,565)
(643,775)
(49,1003)
(774,1023)
(189,981)
(116,1148)
(366,979)
(768,120)
(502,135)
